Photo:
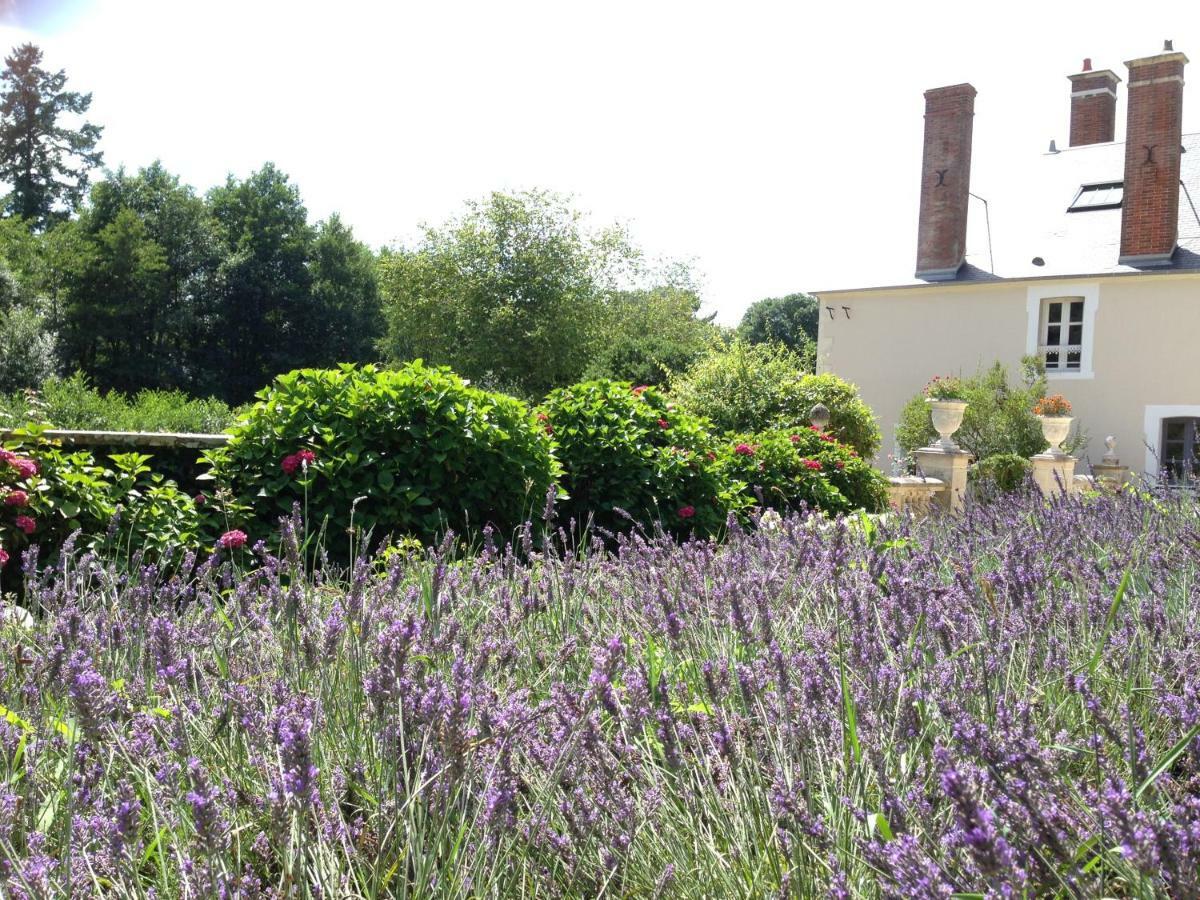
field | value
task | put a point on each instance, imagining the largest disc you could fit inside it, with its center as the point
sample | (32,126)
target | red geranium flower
(16,498)
(812,464)
(664,424)
(3,556)
(795,439)
(686,512)
(637,391)
(27,524)
(744,449)
(231,540)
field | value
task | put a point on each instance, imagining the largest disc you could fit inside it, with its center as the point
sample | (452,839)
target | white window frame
(1152,430)
(1089,293)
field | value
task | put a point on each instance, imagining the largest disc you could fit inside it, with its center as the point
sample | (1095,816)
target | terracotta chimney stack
(1150,206)
(1093,106)
(945,182)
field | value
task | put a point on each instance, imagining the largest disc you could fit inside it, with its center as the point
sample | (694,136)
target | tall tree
(791,321)
(267,322)
(111,329)
(514,293)
(345,294)
(45,162)
(181,317)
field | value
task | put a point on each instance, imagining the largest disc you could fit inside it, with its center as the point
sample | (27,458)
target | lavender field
(1004,704)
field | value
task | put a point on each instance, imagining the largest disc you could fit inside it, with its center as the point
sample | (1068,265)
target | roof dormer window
(1106,195)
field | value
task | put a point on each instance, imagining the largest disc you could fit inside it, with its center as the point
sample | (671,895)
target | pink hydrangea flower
(744,450)
(16,498)
(27,524)
(231,540)
(25,467)
(3,556)
(686,512)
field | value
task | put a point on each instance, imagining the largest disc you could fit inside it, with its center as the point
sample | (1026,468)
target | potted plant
(946,407)
(1055,415)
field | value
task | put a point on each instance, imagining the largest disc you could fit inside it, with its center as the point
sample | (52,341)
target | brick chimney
(1093,106)
(945,182)
(1150,207)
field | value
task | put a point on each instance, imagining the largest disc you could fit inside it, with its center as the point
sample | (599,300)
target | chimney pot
(1153,136)
(945,182)
(1168,47)
(1087,64)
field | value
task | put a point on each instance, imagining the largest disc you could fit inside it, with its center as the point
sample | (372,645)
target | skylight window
(1098,196)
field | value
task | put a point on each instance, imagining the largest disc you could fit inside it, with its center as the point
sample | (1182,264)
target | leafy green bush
(413,451)
(999,473)
(72,403)
(629,449)
(999,416)
(643,359)
(747,387)
(783,469)
(46,494)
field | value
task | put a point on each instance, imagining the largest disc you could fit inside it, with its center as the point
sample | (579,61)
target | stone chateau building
(1097,271)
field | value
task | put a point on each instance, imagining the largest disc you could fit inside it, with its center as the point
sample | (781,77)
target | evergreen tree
(267,322)
(44,162)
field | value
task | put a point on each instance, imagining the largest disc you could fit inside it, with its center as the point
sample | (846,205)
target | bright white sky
(776,145)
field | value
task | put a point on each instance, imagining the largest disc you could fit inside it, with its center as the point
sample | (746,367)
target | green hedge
(410,451)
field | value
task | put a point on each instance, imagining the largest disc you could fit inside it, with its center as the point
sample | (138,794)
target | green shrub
(72,403)
(414,450)
(124,509)
(745,387)
(1001,472)
(783,469)
(999,416)
(630,449)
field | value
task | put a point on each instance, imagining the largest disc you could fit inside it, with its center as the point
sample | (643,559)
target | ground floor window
(1179,453)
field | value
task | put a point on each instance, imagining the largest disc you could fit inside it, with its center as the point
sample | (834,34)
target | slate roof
(1028,204)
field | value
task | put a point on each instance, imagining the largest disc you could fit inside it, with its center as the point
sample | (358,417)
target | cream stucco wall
(1144,362)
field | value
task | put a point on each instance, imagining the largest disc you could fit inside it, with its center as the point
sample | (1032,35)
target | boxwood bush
(783,469)
(408,451)
(627,449)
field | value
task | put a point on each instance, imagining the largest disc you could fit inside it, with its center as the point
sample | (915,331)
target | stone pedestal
(1110,477)
(1053,473)
(949,467)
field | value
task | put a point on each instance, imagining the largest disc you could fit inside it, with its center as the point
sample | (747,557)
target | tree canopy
(791,321)
(520,293)
(44,161)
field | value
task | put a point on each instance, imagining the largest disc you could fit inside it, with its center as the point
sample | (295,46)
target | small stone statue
(1110,452)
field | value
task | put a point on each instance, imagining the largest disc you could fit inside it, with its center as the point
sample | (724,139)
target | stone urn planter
(947,418)
(1055,430)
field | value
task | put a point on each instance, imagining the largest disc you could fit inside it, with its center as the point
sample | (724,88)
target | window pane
(1075,334)
(1054,313)
(1054,334)
(1073,359)
(1051,359)
(1077,311)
